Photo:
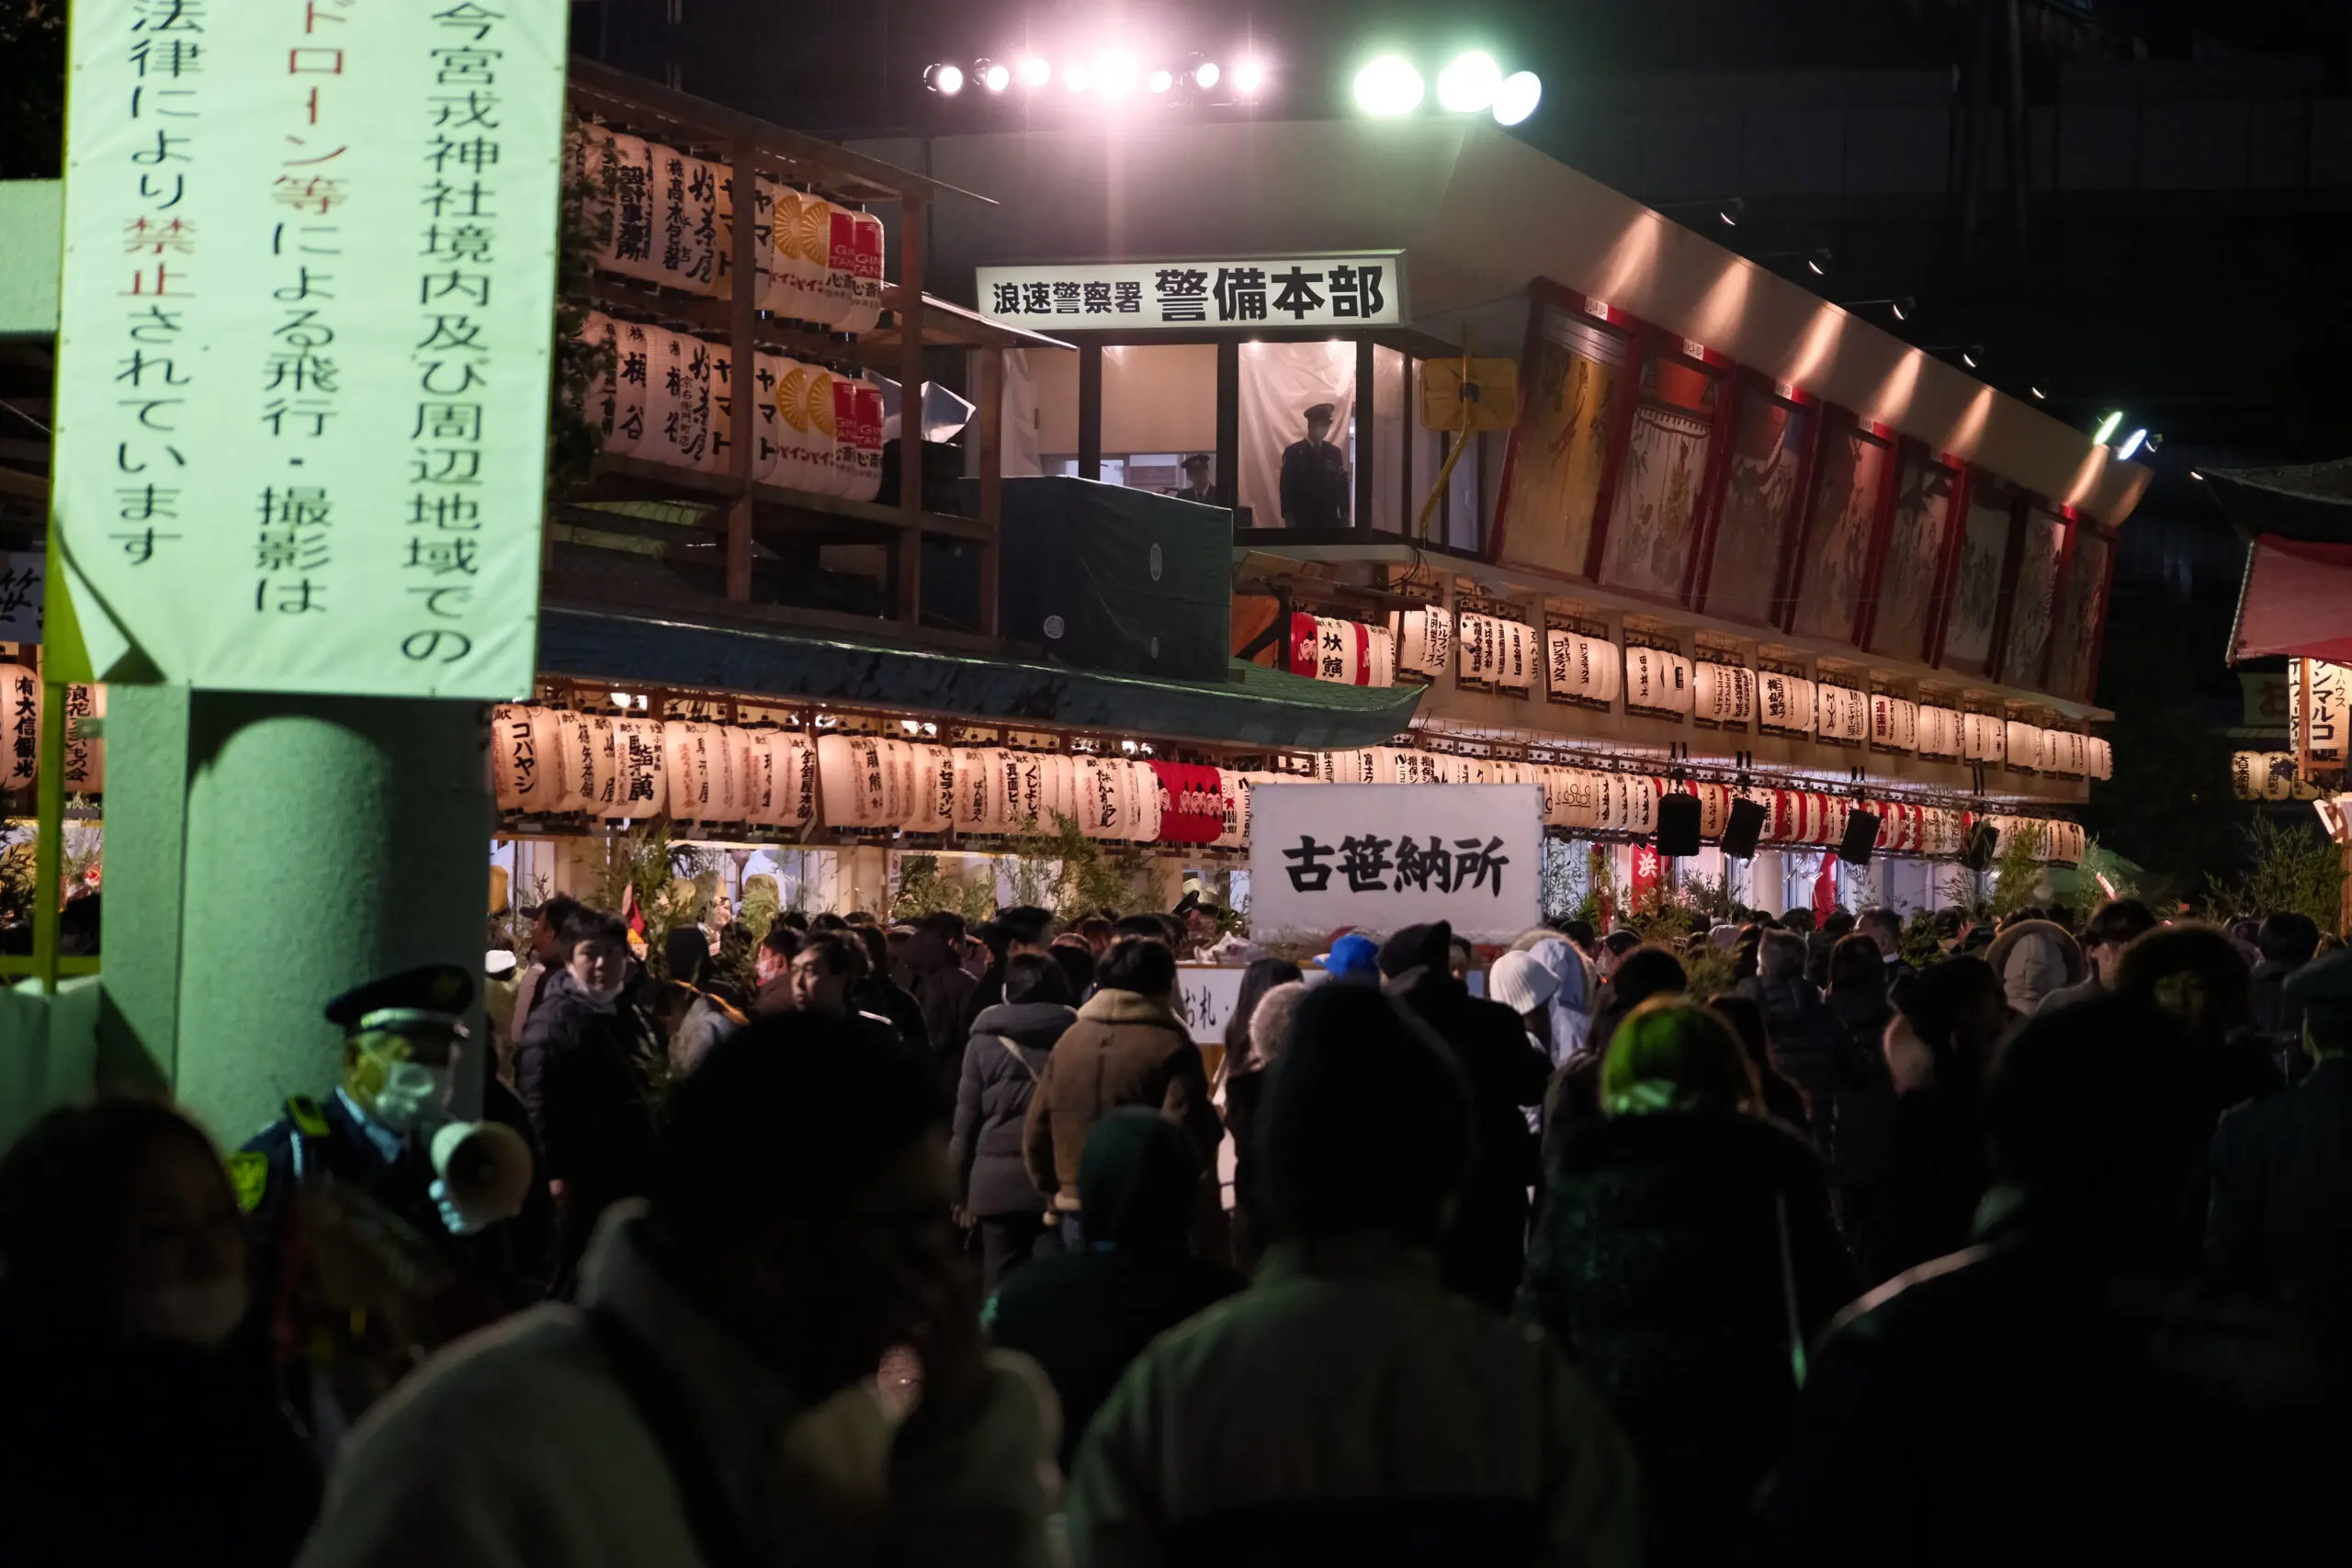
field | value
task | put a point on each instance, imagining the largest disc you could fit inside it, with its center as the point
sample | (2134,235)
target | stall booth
(1610,494)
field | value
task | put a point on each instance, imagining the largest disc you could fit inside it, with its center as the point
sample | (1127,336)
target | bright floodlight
(1248,77)
(1035,73)
(945,79)
(1517,97)
(1903,308)
(2131,445)
(1078,76)
(993,74)
(1972,353)
(1469,84)
(1389,86)
(1160,81)
(2107,427)
(2036,394)
(1118,74)
(1206,74)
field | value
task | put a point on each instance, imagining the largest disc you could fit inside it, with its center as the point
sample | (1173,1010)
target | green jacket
(1343,1403)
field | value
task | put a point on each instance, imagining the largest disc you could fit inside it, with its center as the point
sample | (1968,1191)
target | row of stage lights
(1111,75)
(1473,83)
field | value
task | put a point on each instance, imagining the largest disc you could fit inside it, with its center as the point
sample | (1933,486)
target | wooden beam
(1229,424)
(992,464)
(1090,410)
(906,554)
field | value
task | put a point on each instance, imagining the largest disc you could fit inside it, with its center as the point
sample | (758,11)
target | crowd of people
(1768,1243)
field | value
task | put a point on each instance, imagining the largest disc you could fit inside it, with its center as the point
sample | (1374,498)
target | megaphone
(484,1169)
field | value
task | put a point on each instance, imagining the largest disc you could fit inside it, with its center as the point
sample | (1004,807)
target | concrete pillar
(265,852)
(1767,883)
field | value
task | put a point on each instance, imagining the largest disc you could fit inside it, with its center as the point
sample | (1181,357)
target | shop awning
(2296,520)
(1257,708)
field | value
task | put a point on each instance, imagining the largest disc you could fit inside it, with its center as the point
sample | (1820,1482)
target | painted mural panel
(1915,545)
(1568,390)
(2036,597)
(1654,517)
(1977,587)
(1838,536)
(2081,606)
(1760,483)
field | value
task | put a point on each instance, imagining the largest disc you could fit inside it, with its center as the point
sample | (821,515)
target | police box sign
(1364,289)
(1383,856)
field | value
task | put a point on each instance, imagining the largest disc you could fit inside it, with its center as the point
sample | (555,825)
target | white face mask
(412,1093)
(202,1315)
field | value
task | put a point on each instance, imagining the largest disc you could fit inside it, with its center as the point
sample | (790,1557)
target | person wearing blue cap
(1354,956)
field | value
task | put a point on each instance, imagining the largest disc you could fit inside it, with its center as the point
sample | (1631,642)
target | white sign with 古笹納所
(1378,857)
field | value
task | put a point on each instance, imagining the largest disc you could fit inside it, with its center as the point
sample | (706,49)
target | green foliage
(2013,882)
(674,883)
(1918,945)
(2294,869)
(924,889)
(758,910)
(1074,875)
(1710,970)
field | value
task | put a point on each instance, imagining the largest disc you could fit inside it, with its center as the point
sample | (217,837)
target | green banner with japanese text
(304,347)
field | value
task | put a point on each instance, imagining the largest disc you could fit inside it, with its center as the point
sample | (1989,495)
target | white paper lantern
(1841,713)
(1657,679)
(686,755)
(686,220)
(1894,722)
(1425,640)
(1722,693)
(854,270)
(526,751)
(2021,744)
(622,170)
(1940,731)
(1784,702)
(85,756)
(1383,656)
(1518,670)
(857,438)
(1146,807)
(1982,737)
(20,706)
(760,777)
(803,407)
(851,778)
(640,770)
(1587,668)
(2099,757)
(574,761)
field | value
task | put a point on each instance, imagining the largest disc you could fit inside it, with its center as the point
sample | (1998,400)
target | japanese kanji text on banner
(1382,856)
(308,309)
(1361,290)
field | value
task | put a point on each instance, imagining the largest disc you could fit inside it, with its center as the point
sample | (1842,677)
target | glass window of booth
(1159,412)
(1297,456)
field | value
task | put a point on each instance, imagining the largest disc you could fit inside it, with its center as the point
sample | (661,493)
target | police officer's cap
(435,995)
(2325,982)
(1324,411)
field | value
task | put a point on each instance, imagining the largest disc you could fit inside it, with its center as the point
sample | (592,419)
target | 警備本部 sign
(304,339)
(1362,289)
(1379,857)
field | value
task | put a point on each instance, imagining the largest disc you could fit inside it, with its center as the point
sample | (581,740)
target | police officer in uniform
(403,1038)
(1315,476)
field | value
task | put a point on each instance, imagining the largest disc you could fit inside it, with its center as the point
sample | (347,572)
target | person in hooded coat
(1011,1044)
(1808,1040)
(1486,1250)
(1684,1260)
(2034,957)
(1084,1315)
(1574,995)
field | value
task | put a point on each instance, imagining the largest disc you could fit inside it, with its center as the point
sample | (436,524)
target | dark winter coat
(1658,1266)
(1936,1175)
(2282,1189)
(115,1453)
(579,1069)
(1485,1252)
(1807,1043)
(1003,1062)
(2278,1017)
(1124,1049)
(1085,1315)
(2019,1404)
(1863,1091)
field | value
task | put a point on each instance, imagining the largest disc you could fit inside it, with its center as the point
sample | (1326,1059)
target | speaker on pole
(1678,824)
(1744,828)
(1861,838)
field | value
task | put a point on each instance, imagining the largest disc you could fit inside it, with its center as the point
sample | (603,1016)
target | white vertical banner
(1383,856)
(304,339)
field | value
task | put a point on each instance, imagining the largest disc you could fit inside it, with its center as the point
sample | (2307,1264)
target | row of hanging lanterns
(668,397)
(553,762)
(1584,668)
(668,217)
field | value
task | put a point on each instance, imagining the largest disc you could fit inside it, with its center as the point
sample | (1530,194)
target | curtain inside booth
(1279,382)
